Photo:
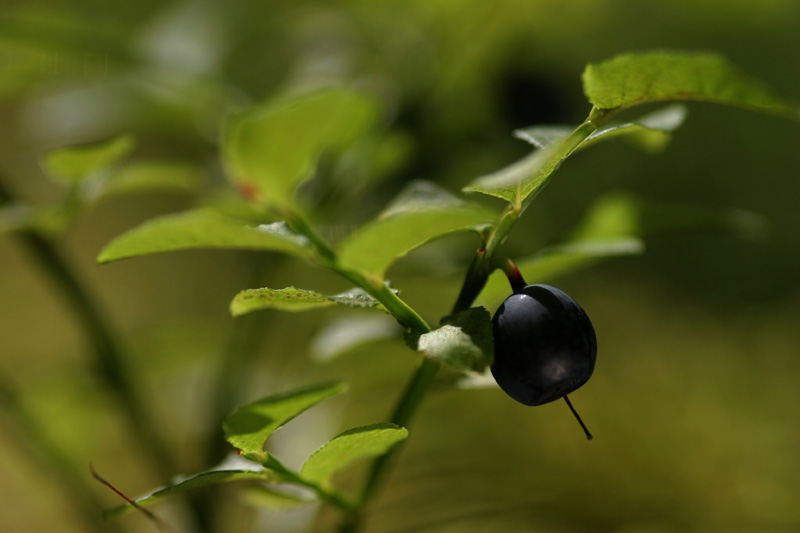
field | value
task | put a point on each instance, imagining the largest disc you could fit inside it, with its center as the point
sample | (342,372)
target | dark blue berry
(544,345)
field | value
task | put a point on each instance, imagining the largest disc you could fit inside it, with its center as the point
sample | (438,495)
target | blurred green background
(695,400)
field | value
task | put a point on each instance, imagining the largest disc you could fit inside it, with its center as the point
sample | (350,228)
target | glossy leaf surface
(202,229)
(270,150)
(351,446)
(293,299)
(72,165)
(423,211)
(249,427)
(633,79)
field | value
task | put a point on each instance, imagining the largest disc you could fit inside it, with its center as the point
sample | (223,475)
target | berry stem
(511,271)
(578,418)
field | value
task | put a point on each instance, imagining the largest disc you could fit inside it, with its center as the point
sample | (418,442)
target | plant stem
(401,311)
(474,281)
(404,411)
(511,271)
(58,467)
(108,359)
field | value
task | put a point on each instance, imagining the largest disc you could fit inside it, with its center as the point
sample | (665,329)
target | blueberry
(544,345)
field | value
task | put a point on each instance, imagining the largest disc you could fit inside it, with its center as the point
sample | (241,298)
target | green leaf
(632,79)
(650,132)
(204,479)
(249,427)
(51,221)
(293,299)
(357,297)
(422,212)
(265,497)
(70,166)
(203,229)
(521,180)
(152,175)
(615,215)
(348,333)
(464,341)
(229,203)
(288,299)
(542,136)
(270,150)
(14,217)
(349,447)
(371,160)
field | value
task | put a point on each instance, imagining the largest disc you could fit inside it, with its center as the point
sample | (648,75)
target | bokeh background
(695,401)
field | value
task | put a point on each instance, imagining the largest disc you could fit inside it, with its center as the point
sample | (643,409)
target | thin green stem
(481,266)
(399,309)
(474,281)
(409,402)
(376,288)
(299,224)
(108,359)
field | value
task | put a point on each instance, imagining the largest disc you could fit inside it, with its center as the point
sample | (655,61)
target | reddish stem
(511,271)
(161,524)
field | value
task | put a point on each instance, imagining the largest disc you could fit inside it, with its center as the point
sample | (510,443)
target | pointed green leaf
(621,215)
(293,299)
(464,341)
(671,219)
(152,175)
(423,211)
(231,204)
(349,447)
(348,333)
(288,299)
(542,136)
(52,220)
(633,79)
(615,215)
(269,151)
(203,229)
(357,297)
(372,160)
(75,164)
(650,132)
(265,497)
(196,481)
(521,180)
(249,427)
